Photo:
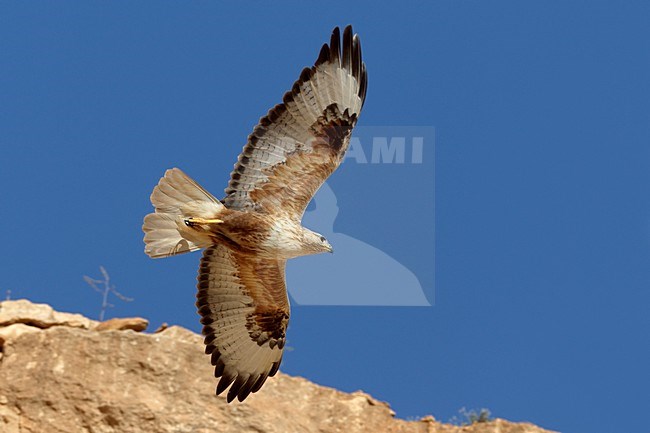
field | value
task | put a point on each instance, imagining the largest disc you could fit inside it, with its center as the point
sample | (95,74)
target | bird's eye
(322,239)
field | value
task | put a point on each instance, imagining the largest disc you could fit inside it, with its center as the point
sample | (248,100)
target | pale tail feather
(175,198)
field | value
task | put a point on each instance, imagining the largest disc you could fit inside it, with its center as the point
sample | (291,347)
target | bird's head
(316,243)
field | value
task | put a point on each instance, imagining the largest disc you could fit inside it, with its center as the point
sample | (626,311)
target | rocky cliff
(64,373)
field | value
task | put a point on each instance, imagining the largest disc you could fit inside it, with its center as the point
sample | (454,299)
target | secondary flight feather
(249,235)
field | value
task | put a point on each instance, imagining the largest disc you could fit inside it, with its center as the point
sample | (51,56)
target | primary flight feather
(250,234)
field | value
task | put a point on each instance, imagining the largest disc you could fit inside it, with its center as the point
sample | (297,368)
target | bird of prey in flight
(249,235)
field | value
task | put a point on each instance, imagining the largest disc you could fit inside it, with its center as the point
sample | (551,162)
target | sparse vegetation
(472,416)
(105,287)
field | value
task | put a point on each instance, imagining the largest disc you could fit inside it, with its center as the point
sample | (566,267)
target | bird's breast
(262,234)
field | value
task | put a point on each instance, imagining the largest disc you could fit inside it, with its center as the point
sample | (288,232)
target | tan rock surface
(40,315)
(13,331)
(69,379)
(137,324)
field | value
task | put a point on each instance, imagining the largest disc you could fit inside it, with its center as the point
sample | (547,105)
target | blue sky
(541,233)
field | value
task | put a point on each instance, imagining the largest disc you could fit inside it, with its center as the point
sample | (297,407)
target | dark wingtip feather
(363,85)
(206,320)
(335,46)
(306,74)
(324,55)
(346,60)
(209,339)
(219,368)
(275,367)
(246,388)
(356,57)
(236,387)
(226,379)
(260,381)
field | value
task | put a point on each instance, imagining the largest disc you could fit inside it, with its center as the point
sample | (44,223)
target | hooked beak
(329,248)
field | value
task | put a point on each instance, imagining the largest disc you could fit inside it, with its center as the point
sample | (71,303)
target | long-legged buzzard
(249,235)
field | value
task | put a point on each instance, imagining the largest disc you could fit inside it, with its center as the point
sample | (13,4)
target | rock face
(64,373)
(40,316)
(133,323)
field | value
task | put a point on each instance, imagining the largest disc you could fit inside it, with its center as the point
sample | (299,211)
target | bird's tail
(179,201)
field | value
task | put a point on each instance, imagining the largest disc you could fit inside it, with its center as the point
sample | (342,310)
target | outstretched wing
(300,142)
(242,300)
